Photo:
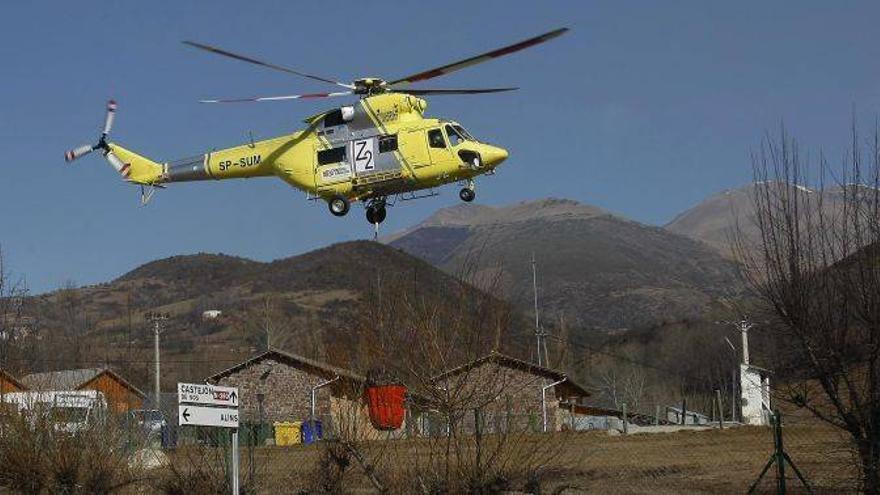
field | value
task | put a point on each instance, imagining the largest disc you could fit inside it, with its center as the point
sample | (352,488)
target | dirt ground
(710,461)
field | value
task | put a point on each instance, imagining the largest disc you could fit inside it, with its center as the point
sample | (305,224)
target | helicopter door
(414,148)
(438,149)
(332,166)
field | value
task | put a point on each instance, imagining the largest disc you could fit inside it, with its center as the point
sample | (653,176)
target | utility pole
(744,326)
(267,327)
(156,319)
(537,318)
(540,334)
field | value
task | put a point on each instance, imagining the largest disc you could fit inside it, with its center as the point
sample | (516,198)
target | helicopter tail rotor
(78,152)
(108,119)
(81,151)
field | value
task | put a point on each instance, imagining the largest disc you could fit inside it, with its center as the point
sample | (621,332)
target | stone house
(121,396)
(505,394)
(277,386)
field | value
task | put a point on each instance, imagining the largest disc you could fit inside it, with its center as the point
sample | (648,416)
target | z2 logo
(364,153)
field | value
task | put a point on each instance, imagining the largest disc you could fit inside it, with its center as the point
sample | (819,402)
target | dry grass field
(710,461)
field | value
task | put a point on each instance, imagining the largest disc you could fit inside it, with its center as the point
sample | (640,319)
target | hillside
(716,219)
(595,269)
(307,302)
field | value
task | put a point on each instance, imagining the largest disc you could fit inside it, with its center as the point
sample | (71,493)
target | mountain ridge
(600,270)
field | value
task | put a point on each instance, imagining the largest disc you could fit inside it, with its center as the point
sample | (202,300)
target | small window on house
(333,155)
(333,118)
(435,139)
(387,144)
(454,137)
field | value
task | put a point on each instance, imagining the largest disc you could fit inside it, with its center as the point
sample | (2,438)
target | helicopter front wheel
(376,212)
(339,206)
(467,194)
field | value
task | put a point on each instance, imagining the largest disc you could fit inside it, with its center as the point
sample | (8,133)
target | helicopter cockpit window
(464,133)
(333,155)
(387,143)
(454,137)
(435,138)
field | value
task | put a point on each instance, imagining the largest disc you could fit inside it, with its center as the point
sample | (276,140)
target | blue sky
(644,108)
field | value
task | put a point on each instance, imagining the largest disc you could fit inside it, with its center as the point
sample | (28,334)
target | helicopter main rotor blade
(461,64)
(244,58)
(279,98)
(419,92)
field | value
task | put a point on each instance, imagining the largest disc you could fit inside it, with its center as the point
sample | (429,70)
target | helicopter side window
(454,137)
(333,155)
(435,138)
(387,144)
(333,119)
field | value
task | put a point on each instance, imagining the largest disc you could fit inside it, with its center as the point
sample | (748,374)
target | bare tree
(16,329)
(817,267)
(469,428)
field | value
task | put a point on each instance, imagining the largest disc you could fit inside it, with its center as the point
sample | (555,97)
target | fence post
(684,405)
(625,426)
(235,461)
(780,453)
(780,457)
(656,414)
(720,409)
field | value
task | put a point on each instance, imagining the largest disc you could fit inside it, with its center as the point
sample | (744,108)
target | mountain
(717,219)
(595,269)
(308,304)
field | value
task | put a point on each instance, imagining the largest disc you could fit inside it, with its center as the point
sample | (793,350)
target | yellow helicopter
(383,146)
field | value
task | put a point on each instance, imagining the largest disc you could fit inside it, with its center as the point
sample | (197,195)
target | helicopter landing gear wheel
(467,193)
(376,211)
(339,206)
(376,215)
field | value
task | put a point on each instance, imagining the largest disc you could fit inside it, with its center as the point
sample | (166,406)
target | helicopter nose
(495,155)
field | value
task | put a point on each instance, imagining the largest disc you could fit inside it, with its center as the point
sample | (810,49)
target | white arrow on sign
(207,416)
(201,393)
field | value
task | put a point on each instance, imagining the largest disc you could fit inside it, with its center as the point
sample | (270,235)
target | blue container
(312,431)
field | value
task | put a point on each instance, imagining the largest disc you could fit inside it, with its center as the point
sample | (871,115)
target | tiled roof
(515,363)
(72,379)
(11,379)
(317,367)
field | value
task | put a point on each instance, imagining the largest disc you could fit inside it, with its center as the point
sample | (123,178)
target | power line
(616,356)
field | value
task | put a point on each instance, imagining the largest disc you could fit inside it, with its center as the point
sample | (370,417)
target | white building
(754,395)
(211,314)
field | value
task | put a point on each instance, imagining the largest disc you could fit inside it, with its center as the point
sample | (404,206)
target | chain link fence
(312,457)
(478,451)
(431,457)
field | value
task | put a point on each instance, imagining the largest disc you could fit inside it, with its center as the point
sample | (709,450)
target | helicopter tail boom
(132,166)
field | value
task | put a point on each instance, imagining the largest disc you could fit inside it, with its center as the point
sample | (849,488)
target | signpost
(201,404)
(210,395)
(207,416)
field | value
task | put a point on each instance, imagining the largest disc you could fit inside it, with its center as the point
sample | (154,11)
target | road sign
(207,416)
(212,395)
